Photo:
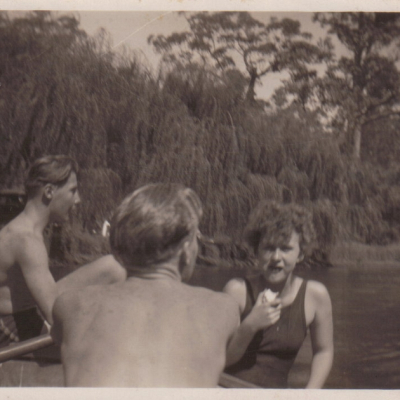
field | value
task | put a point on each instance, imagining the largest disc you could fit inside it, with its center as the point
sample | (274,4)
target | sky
(131,29)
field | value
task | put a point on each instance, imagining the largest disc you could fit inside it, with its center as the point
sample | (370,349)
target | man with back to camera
(26,283)
(151,330)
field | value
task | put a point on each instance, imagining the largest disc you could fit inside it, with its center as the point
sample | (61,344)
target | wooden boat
(28,364)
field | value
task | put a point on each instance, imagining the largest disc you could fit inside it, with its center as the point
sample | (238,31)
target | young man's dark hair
(54,169)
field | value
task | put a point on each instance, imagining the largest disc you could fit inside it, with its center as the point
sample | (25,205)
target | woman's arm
(321,330)
(261,316)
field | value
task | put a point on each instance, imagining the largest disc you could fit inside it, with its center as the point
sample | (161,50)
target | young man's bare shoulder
(16,241)
(17,230)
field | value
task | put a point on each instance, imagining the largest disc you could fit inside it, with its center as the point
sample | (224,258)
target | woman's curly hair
(273,223)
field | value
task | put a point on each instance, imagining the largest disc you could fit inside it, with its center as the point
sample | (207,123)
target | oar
(25,347)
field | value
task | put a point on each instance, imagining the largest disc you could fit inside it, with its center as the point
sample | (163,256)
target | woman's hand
(263,314)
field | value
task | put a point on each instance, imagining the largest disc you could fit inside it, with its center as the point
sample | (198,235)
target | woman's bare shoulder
(317,291)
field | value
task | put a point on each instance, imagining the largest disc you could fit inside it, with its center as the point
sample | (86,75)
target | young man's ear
(300,257)
(48,191)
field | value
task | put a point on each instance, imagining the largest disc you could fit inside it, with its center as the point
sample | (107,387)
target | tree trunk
(357,141)
(250,95)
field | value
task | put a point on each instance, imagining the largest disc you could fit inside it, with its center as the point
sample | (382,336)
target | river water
(366,314)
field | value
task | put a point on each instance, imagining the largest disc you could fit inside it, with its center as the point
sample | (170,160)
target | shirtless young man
(26,282)
(151,330)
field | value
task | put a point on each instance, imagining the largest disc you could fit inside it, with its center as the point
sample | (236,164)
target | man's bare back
(145,333)
(151,330)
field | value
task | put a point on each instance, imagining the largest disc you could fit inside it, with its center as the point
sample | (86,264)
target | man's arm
(321,330)
(31,255)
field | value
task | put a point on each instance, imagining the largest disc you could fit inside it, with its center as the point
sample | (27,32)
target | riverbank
(359,255)
(344,254)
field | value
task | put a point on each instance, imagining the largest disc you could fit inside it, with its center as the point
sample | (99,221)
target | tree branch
(380,116)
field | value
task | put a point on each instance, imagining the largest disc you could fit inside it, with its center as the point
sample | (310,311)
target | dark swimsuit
(272,352)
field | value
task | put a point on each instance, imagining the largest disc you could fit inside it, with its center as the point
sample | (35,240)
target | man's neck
(37,214)
(165,271)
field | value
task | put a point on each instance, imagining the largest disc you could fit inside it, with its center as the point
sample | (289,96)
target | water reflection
(366,305)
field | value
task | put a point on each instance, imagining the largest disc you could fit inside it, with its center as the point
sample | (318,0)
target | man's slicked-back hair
(54,169)
(273,223)
(152,223)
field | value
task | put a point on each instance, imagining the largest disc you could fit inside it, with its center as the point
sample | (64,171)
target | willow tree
(58,92)
(34,53)
(363,84)
(226,40)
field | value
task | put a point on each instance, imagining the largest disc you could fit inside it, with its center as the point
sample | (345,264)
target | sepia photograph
(200,197)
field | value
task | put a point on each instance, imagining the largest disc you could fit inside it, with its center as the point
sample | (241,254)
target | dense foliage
(65,92)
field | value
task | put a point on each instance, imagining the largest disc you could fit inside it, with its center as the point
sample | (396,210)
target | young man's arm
(33,260)
(31,255)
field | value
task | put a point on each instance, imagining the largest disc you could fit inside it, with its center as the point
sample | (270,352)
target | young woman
(272,330)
